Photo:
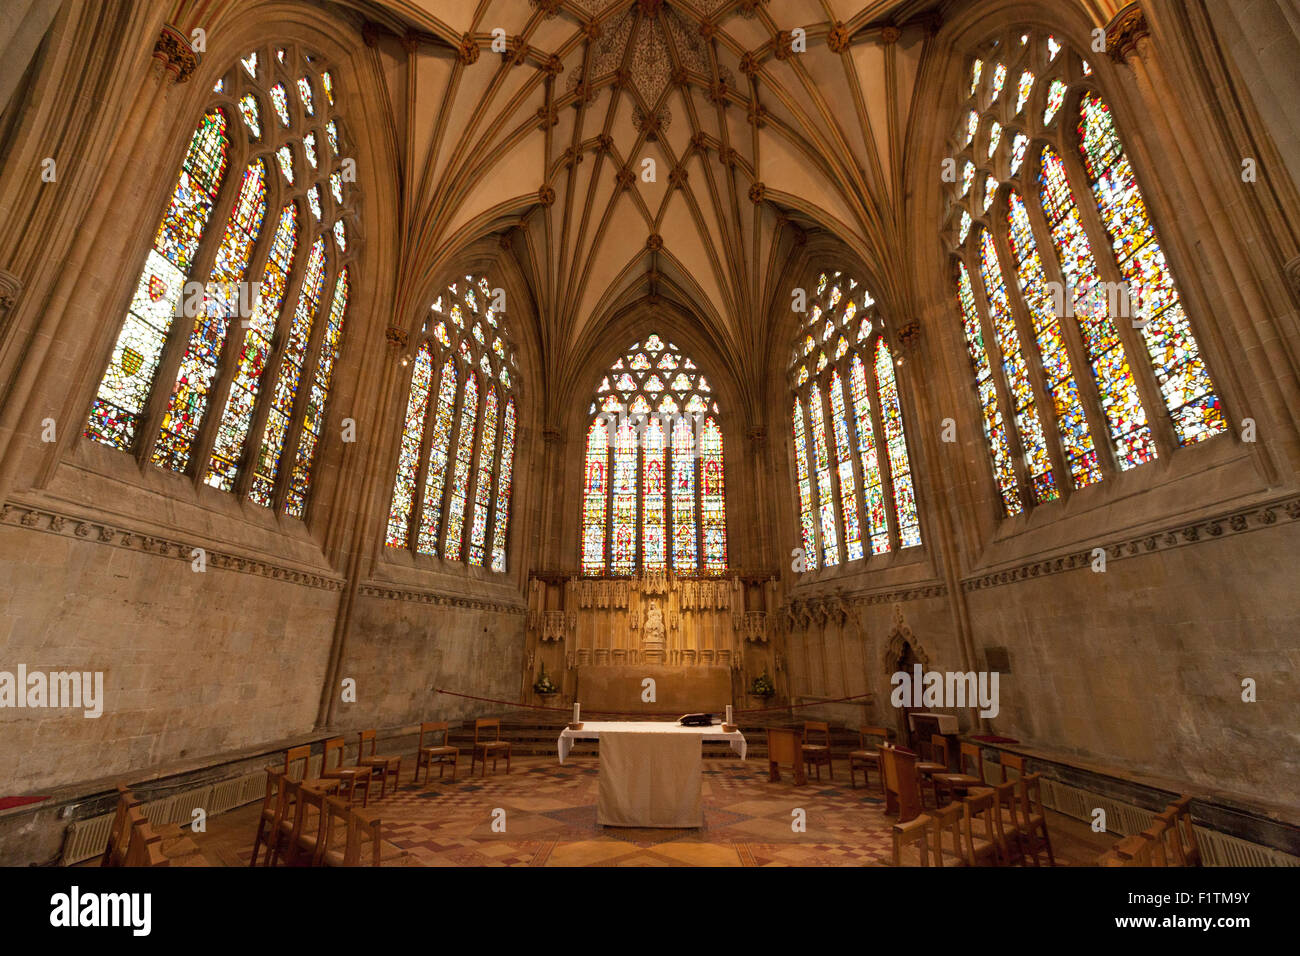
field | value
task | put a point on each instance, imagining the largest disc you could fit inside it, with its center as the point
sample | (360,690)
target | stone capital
(1125,31)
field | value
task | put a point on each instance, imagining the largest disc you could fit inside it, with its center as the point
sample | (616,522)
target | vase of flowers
(543,686)
(762,686)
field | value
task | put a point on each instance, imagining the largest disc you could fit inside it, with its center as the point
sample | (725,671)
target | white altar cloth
(649,770)
(593,729)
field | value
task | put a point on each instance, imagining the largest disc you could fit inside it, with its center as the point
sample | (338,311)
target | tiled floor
(550,820)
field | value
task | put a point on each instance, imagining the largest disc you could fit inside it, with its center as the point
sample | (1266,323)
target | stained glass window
(891,415)
(1094,393)
(125,387)
(408,455)
(1184,381)
(661,504)
(843,481)
(1121,404)
(1016,372)
(483,479)
(994,430)
(285,393)
(501,518)
(232,433)
(235,446)
(220,303)
(451,547)
(1080,456)
(456,455)
(313,421)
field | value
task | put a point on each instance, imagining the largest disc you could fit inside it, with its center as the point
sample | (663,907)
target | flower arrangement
(762,686)
(543,685)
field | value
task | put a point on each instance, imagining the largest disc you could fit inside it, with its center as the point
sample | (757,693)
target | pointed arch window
(852,467)
(654,495)
(227,274)
(451,490)
(1086,365)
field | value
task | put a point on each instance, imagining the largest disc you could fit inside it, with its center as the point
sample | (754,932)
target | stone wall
(194,663)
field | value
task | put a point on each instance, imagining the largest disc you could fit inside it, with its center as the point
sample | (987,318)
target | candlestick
(728,713)
(577,709)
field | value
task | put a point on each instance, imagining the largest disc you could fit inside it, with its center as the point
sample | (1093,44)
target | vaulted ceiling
(669,150)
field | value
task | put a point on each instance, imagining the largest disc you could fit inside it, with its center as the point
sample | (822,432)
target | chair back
(914,832)
(332,748)
(274,781)
(939,750)
(1007,819)
(870,738)
(902,781)
(978,813)
(1134,850)
(819,727)
(783,745)
(432,727)
(336,833)
(369,840)
(119,835)
(144,847)
(1182,808)
(487,724)
(947,822)
(367,737)
(1156,835)
(1014,762)
(972,756)
(1031,796)
(292,756)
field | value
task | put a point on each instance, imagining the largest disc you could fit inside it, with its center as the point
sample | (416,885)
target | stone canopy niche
(702,639)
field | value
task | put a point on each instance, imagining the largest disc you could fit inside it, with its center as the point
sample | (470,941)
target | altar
(649,770)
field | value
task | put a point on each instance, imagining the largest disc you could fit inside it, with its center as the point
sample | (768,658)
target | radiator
(87,838)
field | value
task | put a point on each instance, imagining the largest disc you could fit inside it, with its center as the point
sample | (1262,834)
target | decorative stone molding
(890,34)
(839,38)
(650,8)
(654,241)
(624,178)
(551,434)
(10,288)
(546,195)
(410,41)
(1124,31)
(391,593)
(397,337)
(751,626)
(1249,519)
(547,117)
(89,529)
(749,63)
(782,45)
(174,54)
(1291,270)
(707,29)
(909,334)
(467,51)
(757,192)
(553,66)
(370,33)
(677,177)
(553,626)
(899,635)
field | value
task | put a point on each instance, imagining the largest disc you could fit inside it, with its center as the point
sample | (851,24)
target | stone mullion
(453,443)
(832,460)
(183,325)
(1085,376)
(883,460)
(1162,429)
(1033,359)
(1007,406)
(494,478)
(814,493)
(611,447)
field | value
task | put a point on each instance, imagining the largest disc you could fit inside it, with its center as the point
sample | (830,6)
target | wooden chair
(816,754)
(426,756)
(286,810)
(936,761)
(1033,818)
(384,767)
(308,824)
(1014,762)
(948,822)
(1134,851)
(297,761)
(119,834)
(266,821)
(1185,832)
(915,832)
(1007,823)
(1155,835)
(785,746)
(978,813)
(961,783)
(902,784)
(868,756)
(144,847)
(353,778)
(337,833)
(493,747)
